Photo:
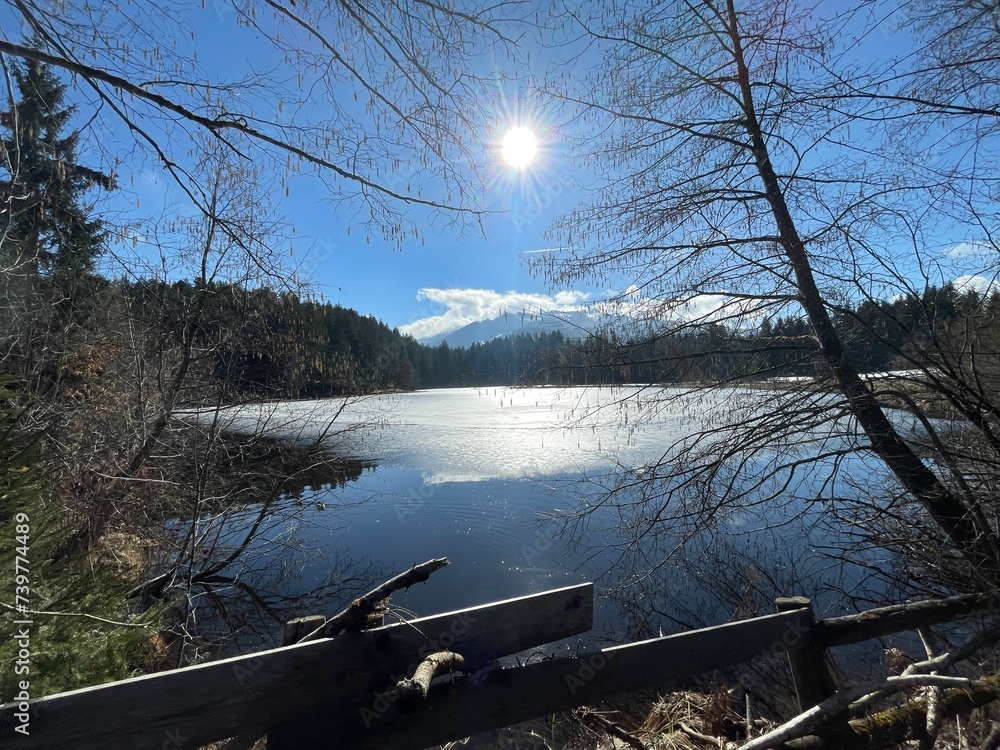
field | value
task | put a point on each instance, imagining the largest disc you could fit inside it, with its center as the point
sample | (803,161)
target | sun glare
(519,147)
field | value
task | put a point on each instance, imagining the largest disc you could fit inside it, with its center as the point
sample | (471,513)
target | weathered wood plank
(875,623)
(503,697)
(190,707)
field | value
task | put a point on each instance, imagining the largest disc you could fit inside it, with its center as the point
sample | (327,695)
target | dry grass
(683,720)
(122,552)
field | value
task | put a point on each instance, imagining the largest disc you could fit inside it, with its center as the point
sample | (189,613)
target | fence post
(809,662)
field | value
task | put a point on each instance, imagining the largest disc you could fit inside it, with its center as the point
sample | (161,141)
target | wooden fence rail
(875,623)
(336,691)
(508,696)
(190,707)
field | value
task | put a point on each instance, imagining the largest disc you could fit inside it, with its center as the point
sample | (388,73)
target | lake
(475,474)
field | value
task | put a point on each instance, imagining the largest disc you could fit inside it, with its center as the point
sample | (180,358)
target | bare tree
(752,169)
(378,100)
(219,514)
(375,102)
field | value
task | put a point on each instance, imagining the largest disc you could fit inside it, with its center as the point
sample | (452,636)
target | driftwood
(900,723)
(936,664)
(352,619)
(355,616)
(883,729)
(351,706)
(411,691)
(874,623)
(501,697)
(945,661)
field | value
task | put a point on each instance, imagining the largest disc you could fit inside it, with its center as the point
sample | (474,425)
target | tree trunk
(947,510)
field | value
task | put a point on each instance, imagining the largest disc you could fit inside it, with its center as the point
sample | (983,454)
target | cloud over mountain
(465,306)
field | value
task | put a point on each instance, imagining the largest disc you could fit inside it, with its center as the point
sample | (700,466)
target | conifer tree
(45,228)
(49,242)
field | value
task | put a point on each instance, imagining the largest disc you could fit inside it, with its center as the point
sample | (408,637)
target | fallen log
(837,631)
(900,723)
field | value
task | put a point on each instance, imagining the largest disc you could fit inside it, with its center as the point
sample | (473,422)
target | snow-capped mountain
(574,325)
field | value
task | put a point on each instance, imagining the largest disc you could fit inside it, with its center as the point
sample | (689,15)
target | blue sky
(448,278)
(450,275)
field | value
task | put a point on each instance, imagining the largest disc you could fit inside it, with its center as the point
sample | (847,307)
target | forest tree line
(67,327)
(279,345)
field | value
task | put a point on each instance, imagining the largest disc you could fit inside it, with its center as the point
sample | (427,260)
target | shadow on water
(735,562)
(241,561)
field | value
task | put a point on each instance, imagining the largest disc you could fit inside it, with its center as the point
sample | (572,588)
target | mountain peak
(572,324)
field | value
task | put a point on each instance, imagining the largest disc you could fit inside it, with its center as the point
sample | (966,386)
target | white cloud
(982,284)
(717,308)
(699,308)
(466,306)
(971,249)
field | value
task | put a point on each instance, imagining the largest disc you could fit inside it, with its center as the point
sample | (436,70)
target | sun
(519,147)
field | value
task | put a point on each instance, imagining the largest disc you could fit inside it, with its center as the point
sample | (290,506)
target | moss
(898,724)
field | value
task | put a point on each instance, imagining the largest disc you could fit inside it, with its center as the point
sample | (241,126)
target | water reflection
(234,559)
(512,486)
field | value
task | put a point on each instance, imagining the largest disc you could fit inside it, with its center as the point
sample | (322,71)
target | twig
(590,717)
(692,732)
(926,638)
(43,613)
(967,649)
(932,722)
(938,663)
(355,616)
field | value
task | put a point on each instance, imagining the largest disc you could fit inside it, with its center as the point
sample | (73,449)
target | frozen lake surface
(470,474)
(482,434)
(479,434)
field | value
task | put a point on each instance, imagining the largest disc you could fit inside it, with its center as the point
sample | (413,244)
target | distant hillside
(572,325)
(262,343)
